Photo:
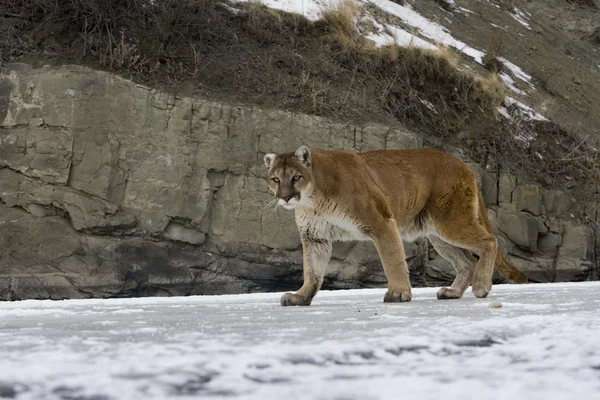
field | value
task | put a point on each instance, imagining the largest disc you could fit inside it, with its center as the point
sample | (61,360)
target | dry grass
(585,3)
(491,60)
(340,21)
(444,4)
(493,88)
(542,74)
(260,56)
(422,85)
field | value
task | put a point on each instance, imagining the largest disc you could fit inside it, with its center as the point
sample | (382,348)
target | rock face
(109,188)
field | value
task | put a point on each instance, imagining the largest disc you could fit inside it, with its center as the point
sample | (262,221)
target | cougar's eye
(295,178)
(275,179)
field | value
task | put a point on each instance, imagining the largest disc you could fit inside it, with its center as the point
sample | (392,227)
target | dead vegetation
(542,74)
(491,60)
(585,3)
(444,4)
(250,53)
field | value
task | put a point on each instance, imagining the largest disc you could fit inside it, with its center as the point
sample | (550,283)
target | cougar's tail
(508,270)
(505,268)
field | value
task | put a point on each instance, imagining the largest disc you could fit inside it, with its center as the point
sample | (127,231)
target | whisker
(270,203)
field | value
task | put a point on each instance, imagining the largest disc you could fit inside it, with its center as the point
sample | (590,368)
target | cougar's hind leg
(464,264)
(462,222)
(471,235)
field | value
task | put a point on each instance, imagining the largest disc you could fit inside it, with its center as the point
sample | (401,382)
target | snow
(429,105)
(542,343)
(401,38)
(517,71)
(520,17)
(504,112)
(391,34)
(465,11)
(427,28)
(510,83)
(526,111)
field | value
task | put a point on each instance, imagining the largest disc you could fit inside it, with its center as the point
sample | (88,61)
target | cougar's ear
(269,158)
(303,153)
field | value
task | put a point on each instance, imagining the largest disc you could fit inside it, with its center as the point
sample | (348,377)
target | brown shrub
(542,74)
(260,56)
(491,60)
(585,3)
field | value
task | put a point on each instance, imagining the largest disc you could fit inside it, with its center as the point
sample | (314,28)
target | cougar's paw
(481,291)
(448,293)
(291,299)
(397,296)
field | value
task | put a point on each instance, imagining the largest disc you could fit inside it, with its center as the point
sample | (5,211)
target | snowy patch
(541,344)
(390,34)
(427,28)
(510,83)
(504,112)
(465,11)
(402,38)
(311,9)
(520,17)
(525,111)
(429,105)
(516,71)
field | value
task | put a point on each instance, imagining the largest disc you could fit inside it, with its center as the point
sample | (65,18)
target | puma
(386,196)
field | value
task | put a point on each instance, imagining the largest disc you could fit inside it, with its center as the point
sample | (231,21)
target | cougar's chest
(342,229)
(326,219)
(336,228)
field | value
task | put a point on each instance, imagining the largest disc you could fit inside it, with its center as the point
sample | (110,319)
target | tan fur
(386,196)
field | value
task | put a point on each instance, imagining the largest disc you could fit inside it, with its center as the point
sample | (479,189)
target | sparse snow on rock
(521,17)
(429,105)
(310,9)
(399,37)
(526,111)
(390,34)
(510,83)
(541,343)
(522,112)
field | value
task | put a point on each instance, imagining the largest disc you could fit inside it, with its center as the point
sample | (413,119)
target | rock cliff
(109,188)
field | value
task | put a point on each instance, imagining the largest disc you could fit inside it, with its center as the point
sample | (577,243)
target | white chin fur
(288,205)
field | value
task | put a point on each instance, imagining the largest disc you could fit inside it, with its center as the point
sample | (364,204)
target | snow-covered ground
(544,342)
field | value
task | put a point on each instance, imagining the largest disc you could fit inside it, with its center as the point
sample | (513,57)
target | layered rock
(109,188)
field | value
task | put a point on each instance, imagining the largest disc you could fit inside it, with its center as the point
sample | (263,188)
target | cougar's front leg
(315,257)
(391,250)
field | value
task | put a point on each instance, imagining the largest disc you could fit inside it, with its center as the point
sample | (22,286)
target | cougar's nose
(287,198)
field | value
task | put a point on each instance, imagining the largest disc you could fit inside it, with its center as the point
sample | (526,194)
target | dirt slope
(245,53)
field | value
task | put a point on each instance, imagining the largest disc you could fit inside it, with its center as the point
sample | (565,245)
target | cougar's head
(290,176)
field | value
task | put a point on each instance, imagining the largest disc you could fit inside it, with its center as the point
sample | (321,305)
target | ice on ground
(542,343)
